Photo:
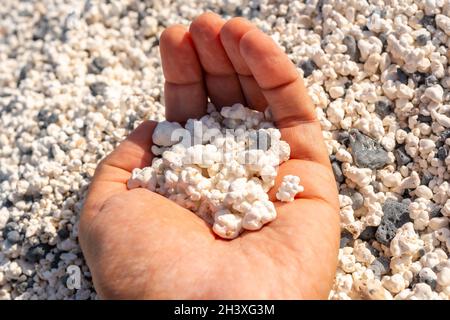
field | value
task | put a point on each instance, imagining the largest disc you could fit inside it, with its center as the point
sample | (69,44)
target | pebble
(366,152)
(368,233)
(352,49)
(98,64)
(401,156)
(98,88)
(380,266)
(442,153)
(402,76)
(395,215)
(338,175)
(13,237)
(422,39)
(37,252)
(308,67)
(382,108)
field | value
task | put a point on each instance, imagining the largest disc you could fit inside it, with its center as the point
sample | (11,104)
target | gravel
(366,151)
(77,76)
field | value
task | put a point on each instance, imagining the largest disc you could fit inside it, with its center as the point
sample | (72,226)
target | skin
(140,245)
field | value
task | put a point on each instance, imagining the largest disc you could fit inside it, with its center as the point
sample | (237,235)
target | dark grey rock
(46,117)
(346,239)
(63,233)
(308,67)
(41,29)
(98,88)
(382,108)
(436,212)
(385,233)
(23,73)
(419,78)
(395,214)
(10,226)
(383,38)
(401,156)
(442,153)
(97,65)
(343,137)
(426,178)
(444,136)
(366,151)
(429,20)
(380,266)
(358,200)
(368,233)
(13,236)
(426,119)
(431,80)
(402,76)
(37,252)
(422,278)
(338,175)
(372,250)
(422,39)
(56,260)
(421,252)
(352,48)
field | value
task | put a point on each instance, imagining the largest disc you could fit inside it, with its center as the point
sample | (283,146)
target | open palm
(139,244)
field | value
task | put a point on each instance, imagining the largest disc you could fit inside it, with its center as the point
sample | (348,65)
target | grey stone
(442,153)
(426,119)
(380,266)
(346,239)
(383,38)
(422,39)
(23,73)
(395,214)
(435,212)
(63,233)
(13,237)
(426,178)
(368,233)
(37,252)
(428,280)
(41,29)
(431,80)
(338,175)
(358,200)
(419,78)
(308,67)
(385,232)
(97,65)
(429,21)
(401,156)
(402,76)
(366,151)
(343,137)
(352,48)
(98,88)
(382,108)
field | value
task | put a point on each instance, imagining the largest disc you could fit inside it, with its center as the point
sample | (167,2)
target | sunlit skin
(140,245)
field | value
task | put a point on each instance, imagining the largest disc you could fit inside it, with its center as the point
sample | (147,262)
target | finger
(113,172)
(278,78)
(184,92)
(222,82)
(230,36)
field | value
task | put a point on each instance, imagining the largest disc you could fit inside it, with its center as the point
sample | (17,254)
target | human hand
(139,244)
